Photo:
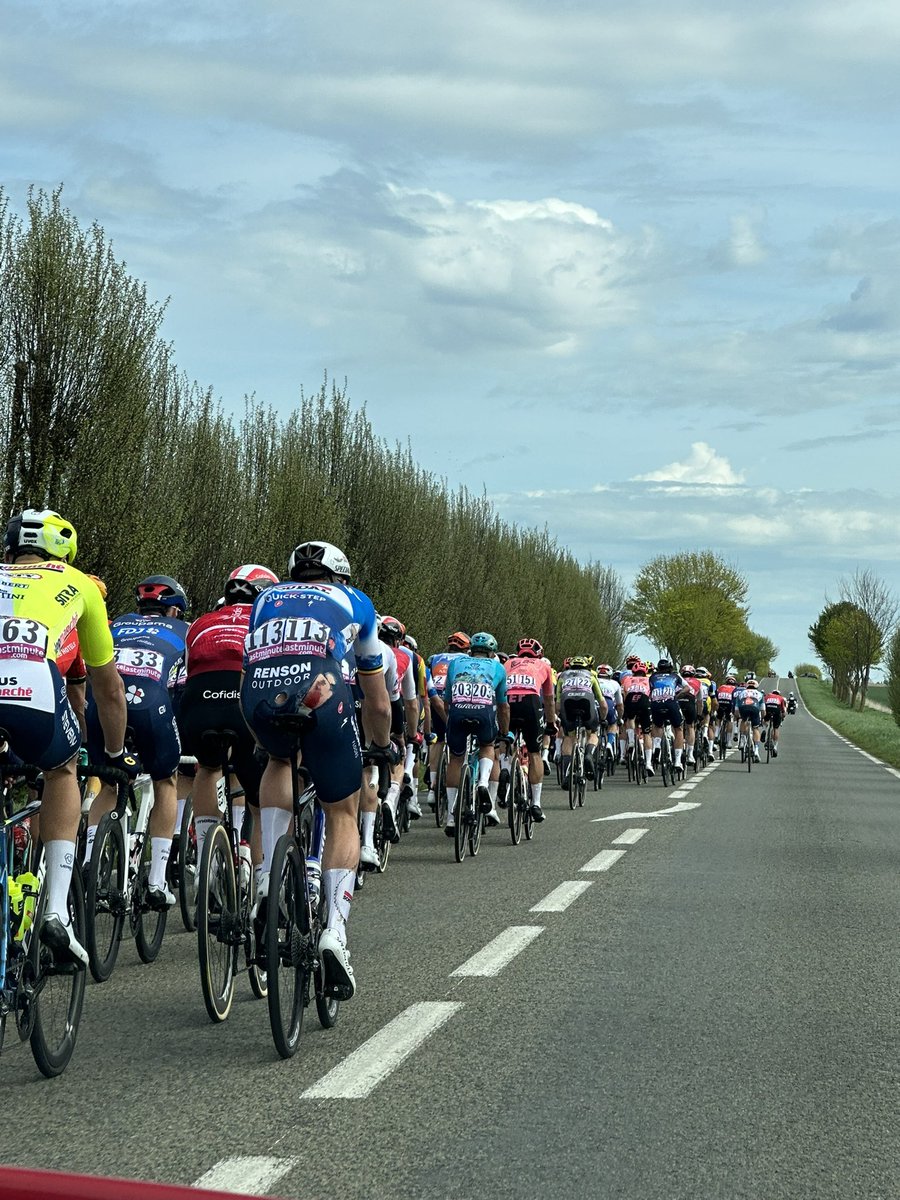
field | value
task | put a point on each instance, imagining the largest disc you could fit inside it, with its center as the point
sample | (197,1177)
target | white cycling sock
(60,858)
(89,844)
(505,762)
(648,756)
(368,829)
(273,823)
(159,858)
(493,788)
(338,883)
(393,795)
(678,754)
(237,818)
(629,733)
(409,761)
(536,789)
(180,814)
(451,800)
(485,766)
(202,826)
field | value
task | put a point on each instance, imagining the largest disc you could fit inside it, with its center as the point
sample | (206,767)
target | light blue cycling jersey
(314,619)
(474,681)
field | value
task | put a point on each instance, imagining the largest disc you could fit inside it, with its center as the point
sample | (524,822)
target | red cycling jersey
(528,677)
(694,684)
(215,641)
(68,659)
(724,693)
(773,701)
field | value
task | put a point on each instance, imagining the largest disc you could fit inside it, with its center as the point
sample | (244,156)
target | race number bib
(469,692)
(289,635)
(575,687)
(146,663)
(23,639)
(521,683)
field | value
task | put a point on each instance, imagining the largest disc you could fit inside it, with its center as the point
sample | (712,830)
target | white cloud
(701,466)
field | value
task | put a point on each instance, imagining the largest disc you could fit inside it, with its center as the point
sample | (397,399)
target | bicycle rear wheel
(59,990)
(287,944)
(576,766)
(515,802)
(476,823)
(463,804)
(187,868)
(151,923)
(217,909)
(440,790)
(105,903)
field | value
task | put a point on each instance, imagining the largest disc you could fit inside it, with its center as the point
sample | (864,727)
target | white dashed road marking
(561,897)
(604,860)
(493,957)
(252,1175)
(629,837)
(365,1068)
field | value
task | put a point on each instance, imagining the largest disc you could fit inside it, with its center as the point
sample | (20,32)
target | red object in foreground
(18,1184)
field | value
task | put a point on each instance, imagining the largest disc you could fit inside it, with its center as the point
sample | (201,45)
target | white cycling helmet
(310,560)
(246,582)
(43,532)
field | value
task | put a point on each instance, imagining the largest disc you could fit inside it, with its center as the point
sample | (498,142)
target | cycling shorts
(438,724)
(774,714)
(151,722)
(579,709)
(527,713)
(637,709)
(751,713)
(330,748)
(723,712)
(398,719)
(211,701)
(688,706)
(35,712)
(463,719)
(669,710)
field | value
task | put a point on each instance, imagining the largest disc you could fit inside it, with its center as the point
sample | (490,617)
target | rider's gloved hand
(388,754)
(123,761)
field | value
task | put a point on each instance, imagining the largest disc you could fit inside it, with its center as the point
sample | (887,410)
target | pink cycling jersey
(528,677)
(635,685)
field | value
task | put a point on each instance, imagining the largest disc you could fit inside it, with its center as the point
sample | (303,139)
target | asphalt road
(711,1016)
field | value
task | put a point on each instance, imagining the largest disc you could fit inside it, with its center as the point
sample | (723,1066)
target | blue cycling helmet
(156,593)
(484,642)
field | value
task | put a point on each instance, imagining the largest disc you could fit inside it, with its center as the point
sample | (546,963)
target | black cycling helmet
(156,593)
(664,666)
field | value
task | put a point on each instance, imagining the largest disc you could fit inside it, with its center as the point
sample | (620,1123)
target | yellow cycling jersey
(41,603)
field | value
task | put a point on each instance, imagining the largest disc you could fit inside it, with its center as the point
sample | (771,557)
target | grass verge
(870,730)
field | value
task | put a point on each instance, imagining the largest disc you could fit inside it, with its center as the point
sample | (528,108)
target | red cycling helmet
(246,582)
(392,627)
(459,640)
(529,648)
(639,668)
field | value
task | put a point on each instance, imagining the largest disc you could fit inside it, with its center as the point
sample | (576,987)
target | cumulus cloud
(702,466)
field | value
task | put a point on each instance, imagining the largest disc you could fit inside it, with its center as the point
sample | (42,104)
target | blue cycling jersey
(745,695)
(148,647)
(314,619)
(664,687)
(474,681)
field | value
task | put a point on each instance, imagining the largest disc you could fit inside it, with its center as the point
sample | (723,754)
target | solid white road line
(561,897)
(603,861)
(252,1175)
(361,1071)
(493,957)
(629,837)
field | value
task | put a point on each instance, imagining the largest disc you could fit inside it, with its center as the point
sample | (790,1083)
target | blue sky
(635,270)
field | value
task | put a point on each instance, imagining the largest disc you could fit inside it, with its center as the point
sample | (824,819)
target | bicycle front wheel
(105,904)
(217,917)
(59,990)
(515,803)
(151,923)
(287,945)
(576,766)
(440,790)
(463,804)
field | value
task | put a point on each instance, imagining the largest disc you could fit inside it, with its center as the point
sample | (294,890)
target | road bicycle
(518,795)
(226,891)
(440,788)
(722,737)
(669,772)
(745,740)
(636,761)
(116,885)
(470,820)
(577,777)
(380,781)
(42,996)
(295,911)
(770,740)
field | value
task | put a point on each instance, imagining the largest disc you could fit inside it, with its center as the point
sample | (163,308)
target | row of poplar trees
(101,425)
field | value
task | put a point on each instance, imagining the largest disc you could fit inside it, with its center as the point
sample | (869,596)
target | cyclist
(791,703)
(301,635)
(529,687)
(690,704)
(42,596)
(149,649)
(707,706)
(579,700)
(211,700)
(615,708)
(457,643)
(635,685)
(404,725)
(725,709)
(749,702)
(666,688)
(776,709)
(475,690)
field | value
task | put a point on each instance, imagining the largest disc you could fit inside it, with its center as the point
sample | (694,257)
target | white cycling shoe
(60,937)
(412,807)
(339,979)
(368,858)
(159,898)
